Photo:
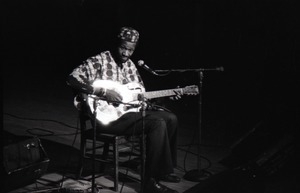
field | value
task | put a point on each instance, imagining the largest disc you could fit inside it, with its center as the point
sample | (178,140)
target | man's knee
(158,126)
(173,118)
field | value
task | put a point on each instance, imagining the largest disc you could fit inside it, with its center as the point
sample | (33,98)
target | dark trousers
(160,128)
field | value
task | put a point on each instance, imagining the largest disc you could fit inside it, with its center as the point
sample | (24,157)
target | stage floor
(48,113)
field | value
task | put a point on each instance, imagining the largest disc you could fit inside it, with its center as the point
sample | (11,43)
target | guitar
(108,111)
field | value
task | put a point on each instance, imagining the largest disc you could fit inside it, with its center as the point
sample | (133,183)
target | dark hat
(129,34)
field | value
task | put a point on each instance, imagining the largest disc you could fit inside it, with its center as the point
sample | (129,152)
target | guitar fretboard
(161,93)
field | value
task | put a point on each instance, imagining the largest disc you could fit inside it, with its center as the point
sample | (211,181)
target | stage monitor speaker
(23,163)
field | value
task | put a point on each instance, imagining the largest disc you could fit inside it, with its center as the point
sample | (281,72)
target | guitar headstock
(191,90)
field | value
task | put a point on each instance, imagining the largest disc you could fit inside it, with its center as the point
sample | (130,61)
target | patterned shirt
(102,66)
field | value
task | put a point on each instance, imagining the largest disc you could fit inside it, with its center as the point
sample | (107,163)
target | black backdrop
(255,41)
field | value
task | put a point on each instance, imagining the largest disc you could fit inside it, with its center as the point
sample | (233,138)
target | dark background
(257,43)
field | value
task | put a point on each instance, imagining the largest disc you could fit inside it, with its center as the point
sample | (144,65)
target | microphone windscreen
(141,62)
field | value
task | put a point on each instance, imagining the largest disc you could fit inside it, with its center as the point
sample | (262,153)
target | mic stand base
(196,175)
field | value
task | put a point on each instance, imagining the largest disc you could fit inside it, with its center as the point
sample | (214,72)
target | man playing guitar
(112,79)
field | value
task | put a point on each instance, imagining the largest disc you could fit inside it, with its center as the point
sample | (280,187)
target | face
(125,50)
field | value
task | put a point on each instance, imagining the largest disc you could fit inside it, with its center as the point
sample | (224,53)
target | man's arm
(79,86)
(83,86)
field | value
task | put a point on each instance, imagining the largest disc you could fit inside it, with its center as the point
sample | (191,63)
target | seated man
(115,66)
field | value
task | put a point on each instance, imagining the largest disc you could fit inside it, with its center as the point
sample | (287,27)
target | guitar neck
(161,93)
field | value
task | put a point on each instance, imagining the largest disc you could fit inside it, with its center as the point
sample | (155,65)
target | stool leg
(105,155)
(81,157)
(116,163)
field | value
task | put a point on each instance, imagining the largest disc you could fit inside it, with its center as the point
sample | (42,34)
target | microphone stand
(143,159)
(94,188)
(196,175)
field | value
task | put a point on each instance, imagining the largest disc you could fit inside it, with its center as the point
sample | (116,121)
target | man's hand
(113,96)
(109,94)
(177,96)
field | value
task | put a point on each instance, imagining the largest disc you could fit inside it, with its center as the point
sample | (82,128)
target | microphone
(220,68)
(142,64)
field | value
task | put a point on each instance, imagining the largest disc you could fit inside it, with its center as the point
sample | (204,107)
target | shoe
(170,178)
(154,187)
